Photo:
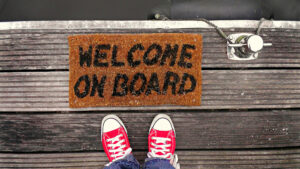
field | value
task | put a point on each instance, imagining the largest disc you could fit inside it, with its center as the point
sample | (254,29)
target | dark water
(18,10)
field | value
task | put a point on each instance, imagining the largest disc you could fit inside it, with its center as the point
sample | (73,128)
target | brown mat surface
(135,69)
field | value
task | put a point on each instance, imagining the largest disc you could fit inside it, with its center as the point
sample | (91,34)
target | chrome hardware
(244,46)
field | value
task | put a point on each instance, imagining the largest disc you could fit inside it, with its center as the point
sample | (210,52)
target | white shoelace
(118,153)
(161,148)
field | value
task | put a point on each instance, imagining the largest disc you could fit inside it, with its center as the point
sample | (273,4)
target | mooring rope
(219,30)
(223,34)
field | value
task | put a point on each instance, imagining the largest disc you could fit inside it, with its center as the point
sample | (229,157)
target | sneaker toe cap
(162,125)
(110,125)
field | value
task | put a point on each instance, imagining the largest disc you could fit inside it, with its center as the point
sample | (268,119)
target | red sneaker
(161,140)
(114,138)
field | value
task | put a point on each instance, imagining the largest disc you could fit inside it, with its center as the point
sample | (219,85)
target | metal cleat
(244,46)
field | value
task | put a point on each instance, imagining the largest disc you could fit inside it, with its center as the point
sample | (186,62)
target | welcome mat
(135,69)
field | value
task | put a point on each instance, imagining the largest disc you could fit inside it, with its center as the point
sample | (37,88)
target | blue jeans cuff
(128,162)
(157,163)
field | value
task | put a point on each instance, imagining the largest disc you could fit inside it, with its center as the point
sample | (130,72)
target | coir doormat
(135,69)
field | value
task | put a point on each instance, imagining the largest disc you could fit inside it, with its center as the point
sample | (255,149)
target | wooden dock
(249,117)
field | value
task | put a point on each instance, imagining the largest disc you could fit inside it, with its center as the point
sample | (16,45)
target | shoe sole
(164,116)
(112,116)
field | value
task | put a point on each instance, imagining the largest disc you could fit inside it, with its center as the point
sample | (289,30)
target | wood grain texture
(188,160)
(48,49)
(35,116)
(143,24)
(221,89)
(195,130)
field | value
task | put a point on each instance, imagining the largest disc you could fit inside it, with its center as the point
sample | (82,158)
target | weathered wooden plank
(207,130)
(22,49)
(144,24)
(289,158)
(222,89)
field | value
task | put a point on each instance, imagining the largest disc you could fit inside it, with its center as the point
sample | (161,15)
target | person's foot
(161,139)
(114,138)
